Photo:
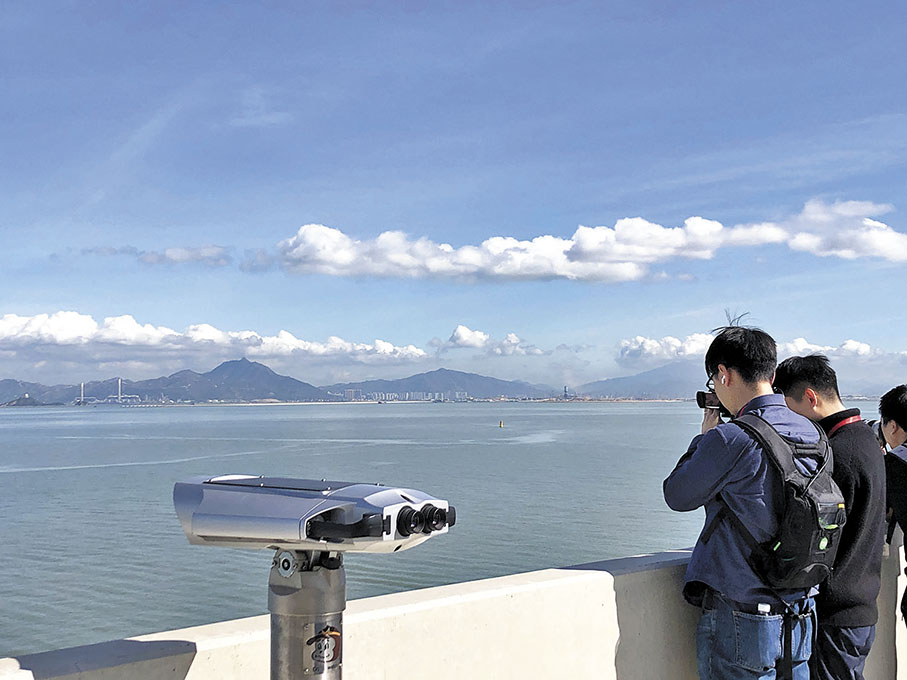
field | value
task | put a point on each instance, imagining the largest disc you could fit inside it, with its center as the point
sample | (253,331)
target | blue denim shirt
(728,461)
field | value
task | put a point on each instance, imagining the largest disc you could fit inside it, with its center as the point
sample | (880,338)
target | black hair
(795,374)
(750,351)
(893,406)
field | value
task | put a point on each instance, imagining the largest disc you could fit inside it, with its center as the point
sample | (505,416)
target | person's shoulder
(856,449)
(731,434)
(896,470)
(858,436)
(898,454)
(725,445)
(789,424)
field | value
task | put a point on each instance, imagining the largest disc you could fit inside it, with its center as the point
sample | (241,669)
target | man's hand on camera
(710,418)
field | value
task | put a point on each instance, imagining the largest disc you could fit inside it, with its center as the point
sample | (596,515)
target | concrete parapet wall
(619,619)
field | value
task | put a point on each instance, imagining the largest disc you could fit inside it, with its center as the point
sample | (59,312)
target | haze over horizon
(546,192)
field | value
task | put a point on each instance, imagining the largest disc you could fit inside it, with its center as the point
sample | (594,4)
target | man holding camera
(747,628)
(846,604)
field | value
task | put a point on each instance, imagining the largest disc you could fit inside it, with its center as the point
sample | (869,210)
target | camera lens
(435,518)
(410,522)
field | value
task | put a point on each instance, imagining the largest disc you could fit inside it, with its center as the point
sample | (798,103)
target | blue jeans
(736,645)
(840,653)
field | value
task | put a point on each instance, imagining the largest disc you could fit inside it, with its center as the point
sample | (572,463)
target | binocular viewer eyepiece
(244,511)
(426,520)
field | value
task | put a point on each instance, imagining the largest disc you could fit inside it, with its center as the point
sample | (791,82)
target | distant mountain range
(678,380)
(245,381)
(240,380)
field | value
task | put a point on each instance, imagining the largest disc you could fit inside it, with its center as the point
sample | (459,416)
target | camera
(710,400)
(282,513)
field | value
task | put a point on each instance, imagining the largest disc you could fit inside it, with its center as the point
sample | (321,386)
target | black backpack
(802,553)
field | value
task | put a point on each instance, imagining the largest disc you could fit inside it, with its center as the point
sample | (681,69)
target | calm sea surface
(92,549)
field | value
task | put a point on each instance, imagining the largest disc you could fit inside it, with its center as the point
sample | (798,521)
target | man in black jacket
(846,605)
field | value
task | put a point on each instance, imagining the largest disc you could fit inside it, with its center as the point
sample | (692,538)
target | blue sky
(347,190)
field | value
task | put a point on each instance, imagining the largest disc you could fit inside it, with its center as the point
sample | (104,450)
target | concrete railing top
(622,619)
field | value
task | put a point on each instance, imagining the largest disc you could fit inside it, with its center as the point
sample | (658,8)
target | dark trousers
(840,653)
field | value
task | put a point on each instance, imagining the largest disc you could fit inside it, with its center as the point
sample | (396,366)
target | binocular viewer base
(306,599)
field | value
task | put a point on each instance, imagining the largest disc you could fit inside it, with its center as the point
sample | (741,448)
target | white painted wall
(616,620)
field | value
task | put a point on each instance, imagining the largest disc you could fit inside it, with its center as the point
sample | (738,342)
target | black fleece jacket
(848,598)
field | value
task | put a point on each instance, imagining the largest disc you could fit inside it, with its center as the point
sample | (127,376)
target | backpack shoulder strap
(781,451)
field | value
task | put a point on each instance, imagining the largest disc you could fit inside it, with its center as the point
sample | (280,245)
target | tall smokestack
(119,389)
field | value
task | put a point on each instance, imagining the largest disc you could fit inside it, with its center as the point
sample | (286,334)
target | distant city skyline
(557,193)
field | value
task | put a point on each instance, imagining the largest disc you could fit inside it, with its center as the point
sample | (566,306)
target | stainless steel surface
(245,511)
(306,617)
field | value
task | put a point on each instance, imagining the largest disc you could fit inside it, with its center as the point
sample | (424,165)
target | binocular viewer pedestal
(310,524)
(306,599)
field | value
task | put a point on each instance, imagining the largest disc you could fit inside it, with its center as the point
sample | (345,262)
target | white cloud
(638,240)
(463,336)
(846,229)
(126,330)
(623,252)
(856,347)
(70,336)
(286,344)
(513,344)
(848,348)
(800,346)
(61,328)
(324,250)
(642,351)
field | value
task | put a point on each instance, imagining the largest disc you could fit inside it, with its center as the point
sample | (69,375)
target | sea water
(92,549)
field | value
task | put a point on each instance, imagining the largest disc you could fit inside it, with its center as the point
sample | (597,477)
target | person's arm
(700,473)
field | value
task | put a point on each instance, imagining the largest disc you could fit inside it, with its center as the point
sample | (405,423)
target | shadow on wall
(150,660)
(657,626)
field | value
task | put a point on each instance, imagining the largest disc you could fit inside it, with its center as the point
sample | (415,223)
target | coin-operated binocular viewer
(309,524)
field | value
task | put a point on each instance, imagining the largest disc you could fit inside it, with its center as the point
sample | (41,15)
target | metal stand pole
(306,598)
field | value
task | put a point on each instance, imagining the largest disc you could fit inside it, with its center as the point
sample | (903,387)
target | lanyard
(846,421)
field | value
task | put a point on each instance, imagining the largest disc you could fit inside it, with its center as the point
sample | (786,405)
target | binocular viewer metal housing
(244,511)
